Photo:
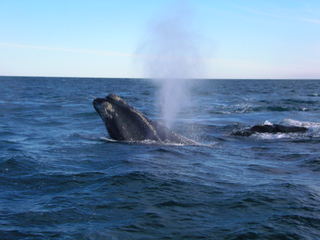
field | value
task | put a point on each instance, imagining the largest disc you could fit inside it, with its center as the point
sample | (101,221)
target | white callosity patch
(109,107)
(267,123)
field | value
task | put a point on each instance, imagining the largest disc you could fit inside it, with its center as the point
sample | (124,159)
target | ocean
(61,178)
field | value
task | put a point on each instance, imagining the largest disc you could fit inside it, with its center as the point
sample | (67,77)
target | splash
(172,59)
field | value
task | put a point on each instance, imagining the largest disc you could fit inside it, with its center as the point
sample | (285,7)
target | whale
(269,128)
(125,123)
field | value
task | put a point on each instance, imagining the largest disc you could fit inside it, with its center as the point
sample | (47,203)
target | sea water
(61,178)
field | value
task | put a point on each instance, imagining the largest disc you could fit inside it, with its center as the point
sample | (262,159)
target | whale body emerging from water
(125,123)
(270,128)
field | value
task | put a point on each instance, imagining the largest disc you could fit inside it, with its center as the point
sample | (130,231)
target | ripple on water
(18,164)
(312,164)
(60,181)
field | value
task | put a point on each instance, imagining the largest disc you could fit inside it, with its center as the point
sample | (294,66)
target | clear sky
(102,38)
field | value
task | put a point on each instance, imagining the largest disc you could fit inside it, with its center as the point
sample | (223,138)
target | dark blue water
(61,180)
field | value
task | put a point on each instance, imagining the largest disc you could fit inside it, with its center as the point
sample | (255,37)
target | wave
(153,142)
(314,95)
(20,164)
(309,125)
(312,164)
(89,114)
(280,108)
(249,108)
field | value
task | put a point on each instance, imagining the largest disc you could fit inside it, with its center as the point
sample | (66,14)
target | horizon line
(150,78)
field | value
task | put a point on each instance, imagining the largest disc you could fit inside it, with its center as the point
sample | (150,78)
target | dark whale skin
(125,123)
(268,128)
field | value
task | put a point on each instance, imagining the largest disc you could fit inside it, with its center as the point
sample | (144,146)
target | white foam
(297,123)
(272,136)
(152,142)
(108,139)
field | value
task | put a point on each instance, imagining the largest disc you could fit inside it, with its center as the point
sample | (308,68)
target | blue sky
(236,38)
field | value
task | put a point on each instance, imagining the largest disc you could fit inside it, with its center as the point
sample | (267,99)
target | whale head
(122,121)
